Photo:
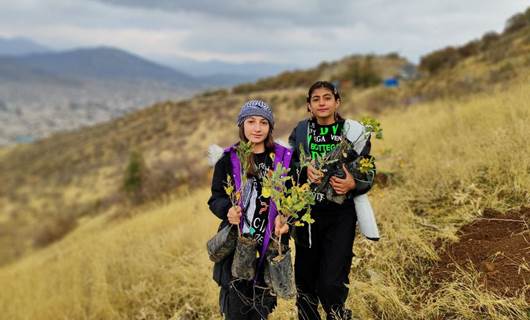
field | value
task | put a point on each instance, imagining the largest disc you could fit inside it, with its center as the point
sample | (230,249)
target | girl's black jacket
(219,204)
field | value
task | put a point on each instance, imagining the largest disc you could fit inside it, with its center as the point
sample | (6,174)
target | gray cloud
(298,12)
(293,32)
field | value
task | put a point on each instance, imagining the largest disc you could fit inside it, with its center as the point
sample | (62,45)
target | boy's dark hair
(323,84)
(326,85)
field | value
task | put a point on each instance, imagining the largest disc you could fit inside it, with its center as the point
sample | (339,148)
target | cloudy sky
(292,32)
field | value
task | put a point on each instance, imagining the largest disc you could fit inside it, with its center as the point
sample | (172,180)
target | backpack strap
(302,136)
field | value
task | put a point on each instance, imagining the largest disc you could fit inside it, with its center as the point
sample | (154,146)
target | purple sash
(281,155)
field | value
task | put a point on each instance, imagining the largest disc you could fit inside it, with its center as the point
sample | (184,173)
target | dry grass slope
(453,159)
(47,181)
(148,267)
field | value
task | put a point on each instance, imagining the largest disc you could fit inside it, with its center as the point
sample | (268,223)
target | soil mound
(498,246)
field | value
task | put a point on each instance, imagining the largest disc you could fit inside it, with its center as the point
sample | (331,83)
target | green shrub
(517,22)
(438,60)
(362,73)
(505,72)
(469,49)
(135,178)
(54,228)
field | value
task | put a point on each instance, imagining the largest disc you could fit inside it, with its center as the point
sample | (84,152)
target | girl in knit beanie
(248,298)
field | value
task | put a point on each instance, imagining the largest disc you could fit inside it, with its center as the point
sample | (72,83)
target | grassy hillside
(449,161)
(44,185)
(473,67)
(144,268)
(359,71)
(48,186)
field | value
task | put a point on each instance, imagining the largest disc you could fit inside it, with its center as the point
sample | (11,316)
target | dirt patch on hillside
(498,246)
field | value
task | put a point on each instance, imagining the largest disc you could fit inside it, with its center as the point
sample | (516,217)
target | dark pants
(247,302)
(321,272)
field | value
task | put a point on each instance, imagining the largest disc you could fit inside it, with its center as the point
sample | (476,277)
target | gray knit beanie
(255,108)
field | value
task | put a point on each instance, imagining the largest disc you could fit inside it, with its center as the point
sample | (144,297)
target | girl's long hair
(269,146)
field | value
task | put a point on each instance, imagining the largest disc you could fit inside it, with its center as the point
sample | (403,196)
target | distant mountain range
(102,63)
(43,91)
(218,72)
(19,46)
(252,70)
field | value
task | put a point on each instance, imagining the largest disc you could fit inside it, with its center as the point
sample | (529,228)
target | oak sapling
(293,200)
(346,153)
